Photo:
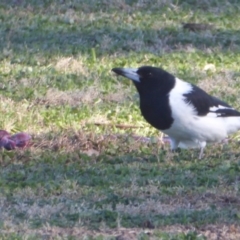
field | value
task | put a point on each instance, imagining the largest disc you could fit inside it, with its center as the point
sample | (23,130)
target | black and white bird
(183,111)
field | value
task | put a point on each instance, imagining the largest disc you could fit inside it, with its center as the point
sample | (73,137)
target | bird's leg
(174,145)
(202,146)
(174,149)
(201,153)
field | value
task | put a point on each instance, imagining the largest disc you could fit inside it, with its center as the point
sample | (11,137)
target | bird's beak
(130,73)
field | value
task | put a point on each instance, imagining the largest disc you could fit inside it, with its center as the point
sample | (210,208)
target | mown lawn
(95,168)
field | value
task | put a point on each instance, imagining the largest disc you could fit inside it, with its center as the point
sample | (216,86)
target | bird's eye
(150,74)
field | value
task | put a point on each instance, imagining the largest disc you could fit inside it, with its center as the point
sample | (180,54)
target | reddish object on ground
(18,140)
(4,133)
(21,139)
(10,145)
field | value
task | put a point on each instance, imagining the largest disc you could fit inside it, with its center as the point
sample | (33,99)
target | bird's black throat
(156,110)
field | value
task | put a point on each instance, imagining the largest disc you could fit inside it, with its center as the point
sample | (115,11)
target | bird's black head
(148,79)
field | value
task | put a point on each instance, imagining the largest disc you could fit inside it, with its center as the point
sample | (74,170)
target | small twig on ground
(123,126)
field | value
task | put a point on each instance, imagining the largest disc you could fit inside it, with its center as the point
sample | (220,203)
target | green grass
(85,175)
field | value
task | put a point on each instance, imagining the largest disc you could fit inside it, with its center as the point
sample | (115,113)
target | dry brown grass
(73,98)
(71,65)
(223,82)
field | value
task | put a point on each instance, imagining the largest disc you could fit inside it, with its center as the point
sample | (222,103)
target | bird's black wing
(205,104)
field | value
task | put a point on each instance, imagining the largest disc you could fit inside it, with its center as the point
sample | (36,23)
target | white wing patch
(213,111)
(214,108)
(223,107)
